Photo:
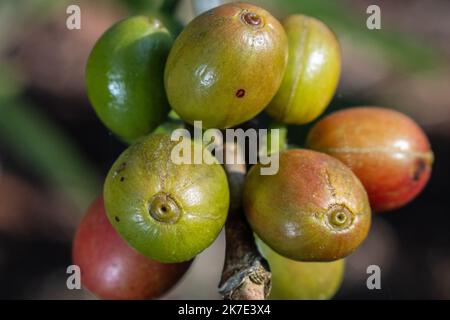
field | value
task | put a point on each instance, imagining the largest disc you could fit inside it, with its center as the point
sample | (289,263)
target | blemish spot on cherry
(420,168)
(122,167)
(240,93)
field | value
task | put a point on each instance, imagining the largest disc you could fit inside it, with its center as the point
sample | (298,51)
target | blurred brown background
(54,151)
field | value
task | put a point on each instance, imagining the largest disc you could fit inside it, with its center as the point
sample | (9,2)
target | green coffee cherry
(312,73)
(168,212)
(125,73)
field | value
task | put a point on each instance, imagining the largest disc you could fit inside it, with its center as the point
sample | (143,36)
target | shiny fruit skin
(313,209)
(168,212)
(113,270)
(224,70)
(171,23)
(312,74)
(295,280)
(386,149)
(125,76)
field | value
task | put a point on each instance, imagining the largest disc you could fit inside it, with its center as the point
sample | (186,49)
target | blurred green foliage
(42,147)
(404,49)
(166,6)
(141,5)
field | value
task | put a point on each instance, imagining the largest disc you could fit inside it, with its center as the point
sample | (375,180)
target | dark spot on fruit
(200,34)
(240,93)
(420,168)
(122,179)
(117,219)
(252,19)
(121,167)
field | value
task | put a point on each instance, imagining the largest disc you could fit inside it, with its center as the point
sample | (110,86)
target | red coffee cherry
(387,150)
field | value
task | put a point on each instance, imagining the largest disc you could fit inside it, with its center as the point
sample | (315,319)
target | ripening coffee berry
(312,73)
(226,65)
(297,280)
(313,209)
(387,150)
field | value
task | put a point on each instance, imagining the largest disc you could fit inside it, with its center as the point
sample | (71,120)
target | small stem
(246,274)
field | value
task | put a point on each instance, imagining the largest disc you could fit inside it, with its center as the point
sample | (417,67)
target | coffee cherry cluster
(227,66)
